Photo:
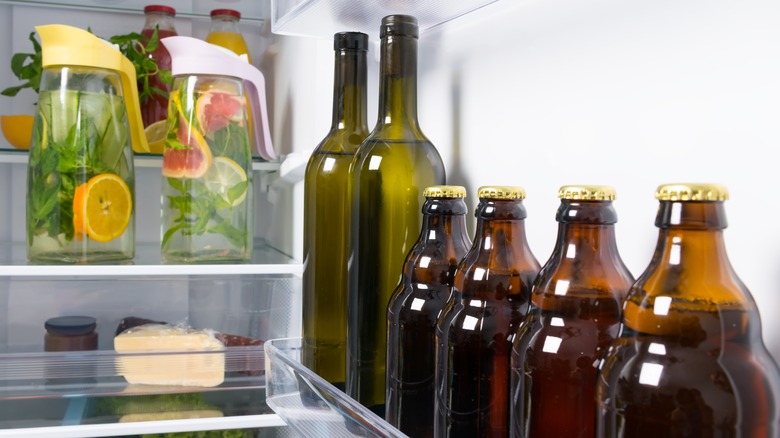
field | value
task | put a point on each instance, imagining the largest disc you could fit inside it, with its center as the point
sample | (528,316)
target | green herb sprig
(132,46)
(199,211)
(26,67)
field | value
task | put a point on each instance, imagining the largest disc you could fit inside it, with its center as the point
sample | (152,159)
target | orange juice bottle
(225,32)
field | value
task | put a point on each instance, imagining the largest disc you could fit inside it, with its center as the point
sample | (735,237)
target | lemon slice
(155,136)
(226,179)
(102,207)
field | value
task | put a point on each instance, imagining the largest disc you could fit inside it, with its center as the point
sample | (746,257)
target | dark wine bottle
(389,173)
(326,215)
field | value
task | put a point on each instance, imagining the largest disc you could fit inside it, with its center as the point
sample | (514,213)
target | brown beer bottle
(576,303)
(474,334)
(689,361)
(415,305)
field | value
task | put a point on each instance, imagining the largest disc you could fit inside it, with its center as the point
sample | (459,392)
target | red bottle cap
(160,8)
(232,12)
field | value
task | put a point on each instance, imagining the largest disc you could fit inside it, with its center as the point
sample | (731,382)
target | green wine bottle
(390,170)
(326,215)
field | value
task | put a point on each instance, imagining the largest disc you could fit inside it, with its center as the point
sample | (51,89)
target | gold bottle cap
(588,193)
(691,192)
(445,192)
(501,192)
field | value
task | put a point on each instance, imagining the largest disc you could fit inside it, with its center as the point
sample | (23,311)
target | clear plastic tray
(323,18)
(309,404)
(82,388)
(100,372)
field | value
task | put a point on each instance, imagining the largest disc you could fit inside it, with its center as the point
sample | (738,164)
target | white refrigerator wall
(632,94)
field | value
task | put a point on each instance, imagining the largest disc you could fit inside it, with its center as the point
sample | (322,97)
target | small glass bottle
(576,304)
(326,215)
(418,300)
(388,175)
(154,108)
(689,360)
(224,32)
(492,288)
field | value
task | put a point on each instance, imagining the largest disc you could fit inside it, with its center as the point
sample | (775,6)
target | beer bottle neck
(501,223)
(691,240)
(349,91)
(691,247)
(443,241)
(398,84)
(689,272)
(586,231)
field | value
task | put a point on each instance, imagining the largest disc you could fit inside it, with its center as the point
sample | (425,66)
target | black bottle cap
(70,325)
(399,25)
(350,41)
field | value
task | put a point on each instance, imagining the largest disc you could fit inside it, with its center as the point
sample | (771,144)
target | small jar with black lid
(70,333)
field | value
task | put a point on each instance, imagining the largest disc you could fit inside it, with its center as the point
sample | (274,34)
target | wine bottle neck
(398,82)
(349,91)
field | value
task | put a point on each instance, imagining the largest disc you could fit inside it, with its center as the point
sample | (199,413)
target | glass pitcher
(207,172)
(207,162)
(80,180)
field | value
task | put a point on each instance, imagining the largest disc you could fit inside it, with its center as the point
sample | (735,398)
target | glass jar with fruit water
(80,179)
(207,178)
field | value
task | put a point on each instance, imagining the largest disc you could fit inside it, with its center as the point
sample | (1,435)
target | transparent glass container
(80,179)
(207,173)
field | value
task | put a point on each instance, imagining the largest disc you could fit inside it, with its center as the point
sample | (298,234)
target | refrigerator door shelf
(310,405)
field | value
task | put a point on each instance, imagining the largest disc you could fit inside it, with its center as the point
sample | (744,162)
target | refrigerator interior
(531,93)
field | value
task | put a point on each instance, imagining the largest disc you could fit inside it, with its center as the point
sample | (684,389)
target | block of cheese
(178,363)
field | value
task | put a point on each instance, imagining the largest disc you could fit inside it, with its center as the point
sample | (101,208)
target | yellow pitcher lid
(63,45)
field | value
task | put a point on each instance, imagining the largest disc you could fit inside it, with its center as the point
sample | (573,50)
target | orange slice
(102,207)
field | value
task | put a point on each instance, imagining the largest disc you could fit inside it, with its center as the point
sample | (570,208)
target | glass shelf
(92,415)
(310,405)
(140,160)
(323,18)
(251,10)
(265,260)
